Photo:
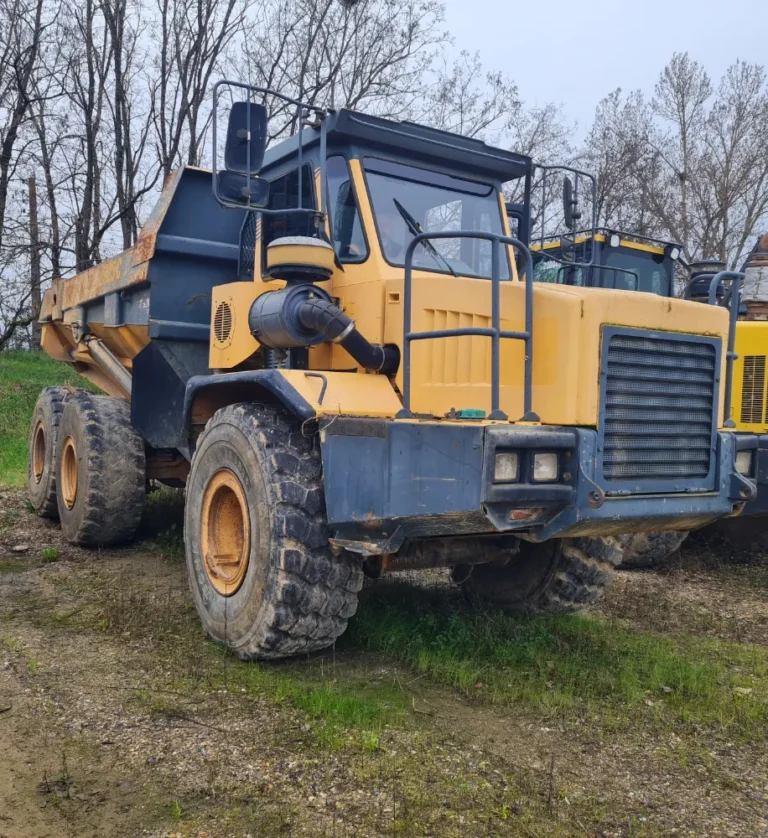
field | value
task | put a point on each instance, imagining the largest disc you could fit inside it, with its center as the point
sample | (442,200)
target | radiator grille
(659,408)
(753,390)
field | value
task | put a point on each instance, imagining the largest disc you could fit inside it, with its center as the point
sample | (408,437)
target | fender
(205,394)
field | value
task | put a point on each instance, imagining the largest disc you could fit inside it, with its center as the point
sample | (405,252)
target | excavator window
(407,200)
(347,229)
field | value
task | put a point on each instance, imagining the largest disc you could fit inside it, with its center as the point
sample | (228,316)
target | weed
(33,664)
(371,740)
(13,644)
(174,811)
(58,788)
(50,554)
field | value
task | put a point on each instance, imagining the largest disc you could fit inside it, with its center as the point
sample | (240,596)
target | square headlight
(544,467)
(744,462)
(507,467)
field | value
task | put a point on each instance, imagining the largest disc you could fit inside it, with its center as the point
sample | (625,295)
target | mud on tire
(650,549)
(41,457)
(275,589)
(560,575)
(100,475)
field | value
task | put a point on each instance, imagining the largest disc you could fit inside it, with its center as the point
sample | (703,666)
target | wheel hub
(69,472)
(225,532)
(38,453)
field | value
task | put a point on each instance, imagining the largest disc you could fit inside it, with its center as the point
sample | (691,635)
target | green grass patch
(22,376)
(560,665)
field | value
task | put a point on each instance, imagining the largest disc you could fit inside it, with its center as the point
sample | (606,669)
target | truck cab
(608,259)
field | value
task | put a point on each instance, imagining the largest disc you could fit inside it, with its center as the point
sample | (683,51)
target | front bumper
(387,480)
(759,506)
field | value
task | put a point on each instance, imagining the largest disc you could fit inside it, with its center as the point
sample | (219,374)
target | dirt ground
(118,718)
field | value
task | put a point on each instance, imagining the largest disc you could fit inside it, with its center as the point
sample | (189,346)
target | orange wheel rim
(69,472)
(38,452)
(225,532)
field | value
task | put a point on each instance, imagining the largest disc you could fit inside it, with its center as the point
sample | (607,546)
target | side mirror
(571,210)
(249,192)
(246,138)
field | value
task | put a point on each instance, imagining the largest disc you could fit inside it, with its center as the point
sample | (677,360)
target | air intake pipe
(324,317)
(304,315)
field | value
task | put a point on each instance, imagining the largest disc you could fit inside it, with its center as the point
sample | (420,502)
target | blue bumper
(759,506)
(386,481)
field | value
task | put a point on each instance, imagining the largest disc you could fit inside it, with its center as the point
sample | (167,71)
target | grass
(22,376)
(556,666)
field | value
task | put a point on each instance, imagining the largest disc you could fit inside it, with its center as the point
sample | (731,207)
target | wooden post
(35,278)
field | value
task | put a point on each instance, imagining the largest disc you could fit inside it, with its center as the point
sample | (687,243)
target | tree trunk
(35,277)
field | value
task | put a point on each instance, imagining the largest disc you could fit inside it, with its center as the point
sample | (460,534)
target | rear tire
(560,575)
(41,459)
(650,549)
(100,475)
(263,577)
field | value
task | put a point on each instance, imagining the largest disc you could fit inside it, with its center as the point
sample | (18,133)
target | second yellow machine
(342,354)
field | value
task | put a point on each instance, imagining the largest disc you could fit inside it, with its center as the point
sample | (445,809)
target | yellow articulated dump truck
(608,258)
(750,396)
(338,348)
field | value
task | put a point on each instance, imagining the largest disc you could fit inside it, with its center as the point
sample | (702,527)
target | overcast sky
(577,52)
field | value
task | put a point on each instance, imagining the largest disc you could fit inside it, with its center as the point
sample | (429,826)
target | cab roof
(358,133)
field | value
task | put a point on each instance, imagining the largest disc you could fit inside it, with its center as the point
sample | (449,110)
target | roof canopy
(358,133)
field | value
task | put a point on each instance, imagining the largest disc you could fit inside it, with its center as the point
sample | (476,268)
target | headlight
(744,462)
(507,467)
(614,240)
(544,467)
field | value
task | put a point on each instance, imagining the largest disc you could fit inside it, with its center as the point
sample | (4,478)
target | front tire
(263,577)
(561,575)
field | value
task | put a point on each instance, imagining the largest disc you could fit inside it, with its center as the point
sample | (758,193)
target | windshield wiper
(415,228)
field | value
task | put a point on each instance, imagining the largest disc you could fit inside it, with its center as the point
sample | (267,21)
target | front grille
(753,390)
(660,406)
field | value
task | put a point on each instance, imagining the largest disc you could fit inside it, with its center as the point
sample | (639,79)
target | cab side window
(284,194)
(346,226)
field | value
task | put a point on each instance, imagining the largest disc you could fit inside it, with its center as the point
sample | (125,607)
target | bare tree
(194,35)
(691,164)
(20,44)
(374,55)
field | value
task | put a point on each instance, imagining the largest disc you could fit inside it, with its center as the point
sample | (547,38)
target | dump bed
(155,294)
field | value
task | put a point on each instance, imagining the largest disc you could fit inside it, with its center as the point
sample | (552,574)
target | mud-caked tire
(559,576)
(100,471)
(263,576)
(650,549)
(41,458)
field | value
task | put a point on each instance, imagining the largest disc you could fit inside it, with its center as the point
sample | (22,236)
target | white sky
(575,53)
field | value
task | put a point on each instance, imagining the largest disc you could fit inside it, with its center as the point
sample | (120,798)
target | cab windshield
(624,268)
(653,270)
(407,200)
